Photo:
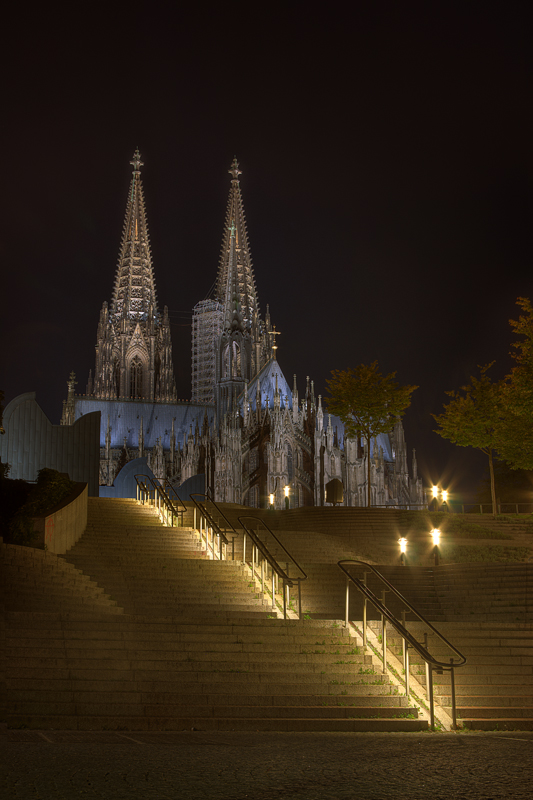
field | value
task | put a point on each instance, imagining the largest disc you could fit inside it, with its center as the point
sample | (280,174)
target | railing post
(244,548)
(284,600)
(347,603)
(405,658)
(430,698)
(454,708)
(273,590)
(406,668)
(384,635)
(364,613)
(299,599)
(429,687)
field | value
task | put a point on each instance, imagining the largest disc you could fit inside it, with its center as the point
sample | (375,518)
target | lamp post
(403,548)
(435,533)
(436,491)
(286,490)
(271,501)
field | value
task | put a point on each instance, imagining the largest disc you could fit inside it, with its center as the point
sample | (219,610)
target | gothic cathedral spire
(236,256)
(134,295)
(134,349)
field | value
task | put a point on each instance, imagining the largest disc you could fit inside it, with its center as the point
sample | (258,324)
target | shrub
(51,489)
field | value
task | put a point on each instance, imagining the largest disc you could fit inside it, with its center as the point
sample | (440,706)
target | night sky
(386,178)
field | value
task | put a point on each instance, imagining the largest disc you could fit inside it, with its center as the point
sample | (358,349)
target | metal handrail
(212,524)
(277,571)
(176,500)
(142,488)
(157,495)
(408,638)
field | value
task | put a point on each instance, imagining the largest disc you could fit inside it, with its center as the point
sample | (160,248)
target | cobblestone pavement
(191,765)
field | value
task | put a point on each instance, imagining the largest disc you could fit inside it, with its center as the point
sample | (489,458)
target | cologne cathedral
(251,437)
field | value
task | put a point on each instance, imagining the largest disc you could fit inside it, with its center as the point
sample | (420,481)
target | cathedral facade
(245,429)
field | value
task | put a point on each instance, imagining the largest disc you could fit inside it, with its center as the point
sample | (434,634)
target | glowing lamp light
(435,490)
(403,544)
(436,536)
(271,499)
(286,490)
(444,496)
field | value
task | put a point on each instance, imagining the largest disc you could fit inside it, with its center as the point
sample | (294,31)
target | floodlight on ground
(444,496)
(286,490)
(435,490)
(271,500)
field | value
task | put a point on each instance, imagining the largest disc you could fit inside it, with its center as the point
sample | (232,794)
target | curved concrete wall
(61,529)
(31,442)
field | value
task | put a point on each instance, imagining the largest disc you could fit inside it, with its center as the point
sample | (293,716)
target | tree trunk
(492,485)
(369,496)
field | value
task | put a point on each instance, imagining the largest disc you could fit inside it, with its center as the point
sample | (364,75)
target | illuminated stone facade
(245,428)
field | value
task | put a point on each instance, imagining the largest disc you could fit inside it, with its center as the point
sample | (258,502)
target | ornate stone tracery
(245,429)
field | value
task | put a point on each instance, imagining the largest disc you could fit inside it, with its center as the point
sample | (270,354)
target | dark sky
(386,160)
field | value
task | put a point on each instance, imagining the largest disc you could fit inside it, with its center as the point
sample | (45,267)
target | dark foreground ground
(265,766)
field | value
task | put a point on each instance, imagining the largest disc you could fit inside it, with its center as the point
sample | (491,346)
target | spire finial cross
(274,333)
(136,162)
(234,169)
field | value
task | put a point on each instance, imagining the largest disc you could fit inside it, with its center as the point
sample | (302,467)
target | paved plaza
(193,765)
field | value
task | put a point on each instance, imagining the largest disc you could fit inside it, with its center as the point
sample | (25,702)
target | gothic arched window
(136,378)
(231,361)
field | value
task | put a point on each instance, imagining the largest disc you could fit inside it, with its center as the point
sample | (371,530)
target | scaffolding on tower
(206,329)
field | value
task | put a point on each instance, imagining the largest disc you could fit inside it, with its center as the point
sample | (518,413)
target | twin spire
(134,294)
(235,280)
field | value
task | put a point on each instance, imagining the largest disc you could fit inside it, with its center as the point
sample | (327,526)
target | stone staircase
(37,580)
(158,571)
(494,689)
(472,604)
(191,644)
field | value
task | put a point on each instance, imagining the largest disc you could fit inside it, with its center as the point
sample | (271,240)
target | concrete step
(147,723)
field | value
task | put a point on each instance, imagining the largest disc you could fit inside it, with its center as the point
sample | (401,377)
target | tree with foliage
(512,485)
(516,439)
(367,402)
(474,419)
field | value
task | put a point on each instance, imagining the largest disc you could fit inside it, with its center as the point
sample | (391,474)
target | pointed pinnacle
(136,162)
(234,169)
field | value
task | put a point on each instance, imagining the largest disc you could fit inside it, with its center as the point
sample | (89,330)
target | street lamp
(286,490)
(403,548)
(435,533)
(435,491)
(271,501)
